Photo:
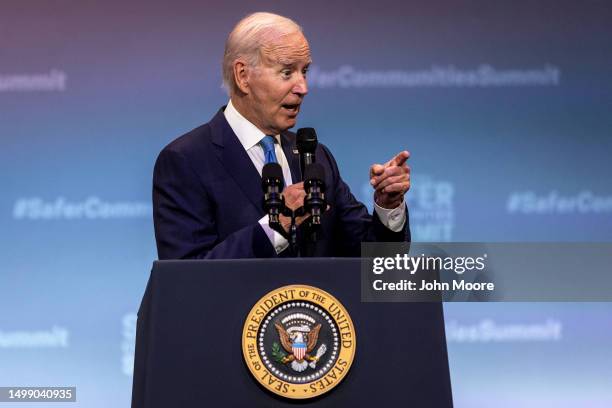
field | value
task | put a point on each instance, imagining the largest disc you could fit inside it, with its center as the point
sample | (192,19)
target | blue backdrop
(505,107)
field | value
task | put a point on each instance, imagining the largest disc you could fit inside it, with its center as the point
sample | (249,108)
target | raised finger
(399,159)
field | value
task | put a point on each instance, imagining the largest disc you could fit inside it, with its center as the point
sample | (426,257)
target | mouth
(293,109)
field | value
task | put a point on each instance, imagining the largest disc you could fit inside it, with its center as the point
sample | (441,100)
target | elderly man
(207,196)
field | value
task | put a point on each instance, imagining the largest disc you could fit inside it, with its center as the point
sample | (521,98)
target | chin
(290,123)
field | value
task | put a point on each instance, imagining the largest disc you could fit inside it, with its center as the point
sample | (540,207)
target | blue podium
(190,327)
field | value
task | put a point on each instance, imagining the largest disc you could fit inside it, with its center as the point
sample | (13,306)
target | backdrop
(505,107)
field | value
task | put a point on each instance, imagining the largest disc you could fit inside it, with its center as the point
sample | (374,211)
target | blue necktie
(267,142)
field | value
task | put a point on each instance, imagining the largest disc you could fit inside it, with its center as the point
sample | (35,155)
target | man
(207,197)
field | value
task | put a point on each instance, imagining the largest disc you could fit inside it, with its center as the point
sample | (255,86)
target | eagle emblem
(298,334)
(298,341)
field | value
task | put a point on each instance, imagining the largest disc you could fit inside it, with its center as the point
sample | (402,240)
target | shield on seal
(299,350)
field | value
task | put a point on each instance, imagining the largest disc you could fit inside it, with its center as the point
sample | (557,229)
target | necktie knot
(267,143)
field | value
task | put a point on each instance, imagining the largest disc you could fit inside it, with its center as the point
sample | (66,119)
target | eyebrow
(289,62)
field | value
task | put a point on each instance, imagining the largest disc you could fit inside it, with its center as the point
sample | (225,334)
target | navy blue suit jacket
(207,200)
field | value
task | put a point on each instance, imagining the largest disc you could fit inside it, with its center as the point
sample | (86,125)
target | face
(277,87)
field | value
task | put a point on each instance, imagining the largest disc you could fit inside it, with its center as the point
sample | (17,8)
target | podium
(190,327)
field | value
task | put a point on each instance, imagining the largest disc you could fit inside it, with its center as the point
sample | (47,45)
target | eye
(305,71)
(286,73)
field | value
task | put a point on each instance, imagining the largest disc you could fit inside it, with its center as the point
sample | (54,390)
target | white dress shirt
(250,136)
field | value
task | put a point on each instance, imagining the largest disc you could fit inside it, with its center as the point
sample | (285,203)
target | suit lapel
(290,150)
(236,160)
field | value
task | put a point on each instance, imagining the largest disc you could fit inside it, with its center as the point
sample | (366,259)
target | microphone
(306,141)
(314,185)
(272,183)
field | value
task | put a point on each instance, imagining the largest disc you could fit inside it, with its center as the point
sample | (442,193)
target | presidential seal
(298,341)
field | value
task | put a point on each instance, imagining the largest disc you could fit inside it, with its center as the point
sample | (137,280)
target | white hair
(248,37)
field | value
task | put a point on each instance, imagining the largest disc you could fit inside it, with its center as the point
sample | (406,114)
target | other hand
(294,198)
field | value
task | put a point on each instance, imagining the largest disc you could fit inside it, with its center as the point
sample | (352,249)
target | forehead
(286,49)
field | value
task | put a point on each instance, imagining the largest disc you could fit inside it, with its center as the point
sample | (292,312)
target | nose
(300,87)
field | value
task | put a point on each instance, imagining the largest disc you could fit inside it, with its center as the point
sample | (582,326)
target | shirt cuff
(278,241)
(393,218)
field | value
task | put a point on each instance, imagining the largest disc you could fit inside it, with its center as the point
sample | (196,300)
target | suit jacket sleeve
(355,225)
(184,217)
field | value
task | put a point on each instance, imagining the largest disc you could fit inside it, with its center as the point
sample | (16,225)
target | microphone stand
(295,249)
(290,235)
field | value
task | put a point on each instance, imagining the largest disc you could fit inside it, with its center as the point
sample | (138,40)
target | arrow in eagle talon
(320,351)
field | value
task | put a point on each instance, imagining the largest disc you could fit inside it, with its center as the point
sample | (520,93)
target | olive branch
(277,353)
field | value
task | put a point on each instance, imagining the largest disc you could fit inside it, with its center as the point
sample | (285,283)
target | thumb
(376,170)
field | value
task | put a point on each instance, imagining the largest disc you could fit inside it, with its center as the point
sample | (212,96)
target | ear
(241,77)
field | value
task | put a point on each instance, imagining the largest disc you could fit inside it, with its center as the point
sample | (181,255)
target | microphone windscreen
(272,171)
(314,171)
(306,140)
